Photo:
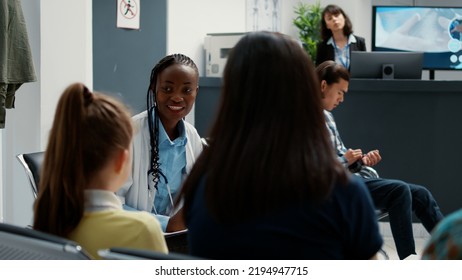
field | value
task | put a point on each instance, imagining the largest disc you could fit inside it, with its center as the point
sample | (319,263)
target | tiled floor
(421,237)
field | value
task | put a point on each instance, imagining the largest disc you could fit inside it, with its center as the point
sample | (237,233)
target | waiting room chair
(32,163)
(18,243)
(139,254)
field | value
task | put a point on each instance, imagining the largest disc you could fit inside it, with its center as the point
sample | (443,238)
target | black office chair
(381,214)
(139,254)
(32,163)
(18,243)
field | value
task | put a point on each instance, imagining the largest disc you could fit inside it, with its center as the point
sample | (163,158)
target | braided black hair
(153,123)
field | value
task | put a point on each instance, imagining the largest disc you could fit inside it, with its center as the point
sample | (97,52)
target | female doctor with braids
(165,146)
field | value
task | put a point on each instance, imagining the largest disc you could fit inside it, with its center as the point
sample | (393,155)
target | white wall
(66,52)
(60,34)
(22,131)
(188,22)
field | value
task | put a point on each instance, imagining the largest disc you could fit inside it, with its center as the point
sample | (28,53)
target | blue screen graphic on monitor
(436,31)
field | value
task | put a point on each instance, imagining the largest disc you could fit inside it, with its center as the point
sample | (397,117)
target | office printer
(217,47)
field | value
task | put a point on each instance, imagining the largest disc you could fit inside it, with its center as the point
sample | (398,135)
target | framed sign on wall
(263,15)
(128,14)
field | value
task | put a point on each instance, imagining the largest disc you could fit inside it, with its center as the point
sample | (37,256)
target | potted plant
(308,22)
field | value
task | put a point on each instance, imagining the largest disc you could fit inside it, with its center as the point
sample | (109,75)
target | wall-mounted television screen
(435,31)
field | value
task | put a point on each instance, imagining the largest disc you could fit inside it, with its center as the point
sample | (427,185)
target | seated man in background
(396,197)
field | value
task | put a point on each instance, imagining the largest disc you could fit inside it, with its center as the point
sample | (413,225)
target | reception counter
(416,125)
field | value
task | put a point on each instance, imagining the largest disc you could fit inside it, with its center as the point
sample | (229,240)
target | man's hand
(372,158)
(353,155)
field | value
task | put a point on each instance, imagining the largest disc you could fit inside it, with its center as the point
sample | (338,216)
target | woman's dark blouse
(343,227)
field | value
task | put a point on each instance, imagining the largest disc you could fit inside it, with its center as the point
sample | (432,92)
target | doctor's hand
(176,222)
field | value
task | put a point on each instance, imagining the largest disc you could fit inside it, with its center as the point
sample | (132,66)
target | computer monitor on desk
(386,65)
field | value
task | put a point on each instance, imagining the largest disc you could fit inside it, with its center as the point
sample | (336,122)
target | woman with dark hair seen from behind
(268,186)
(165,146)
(86,161)
(338,40)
